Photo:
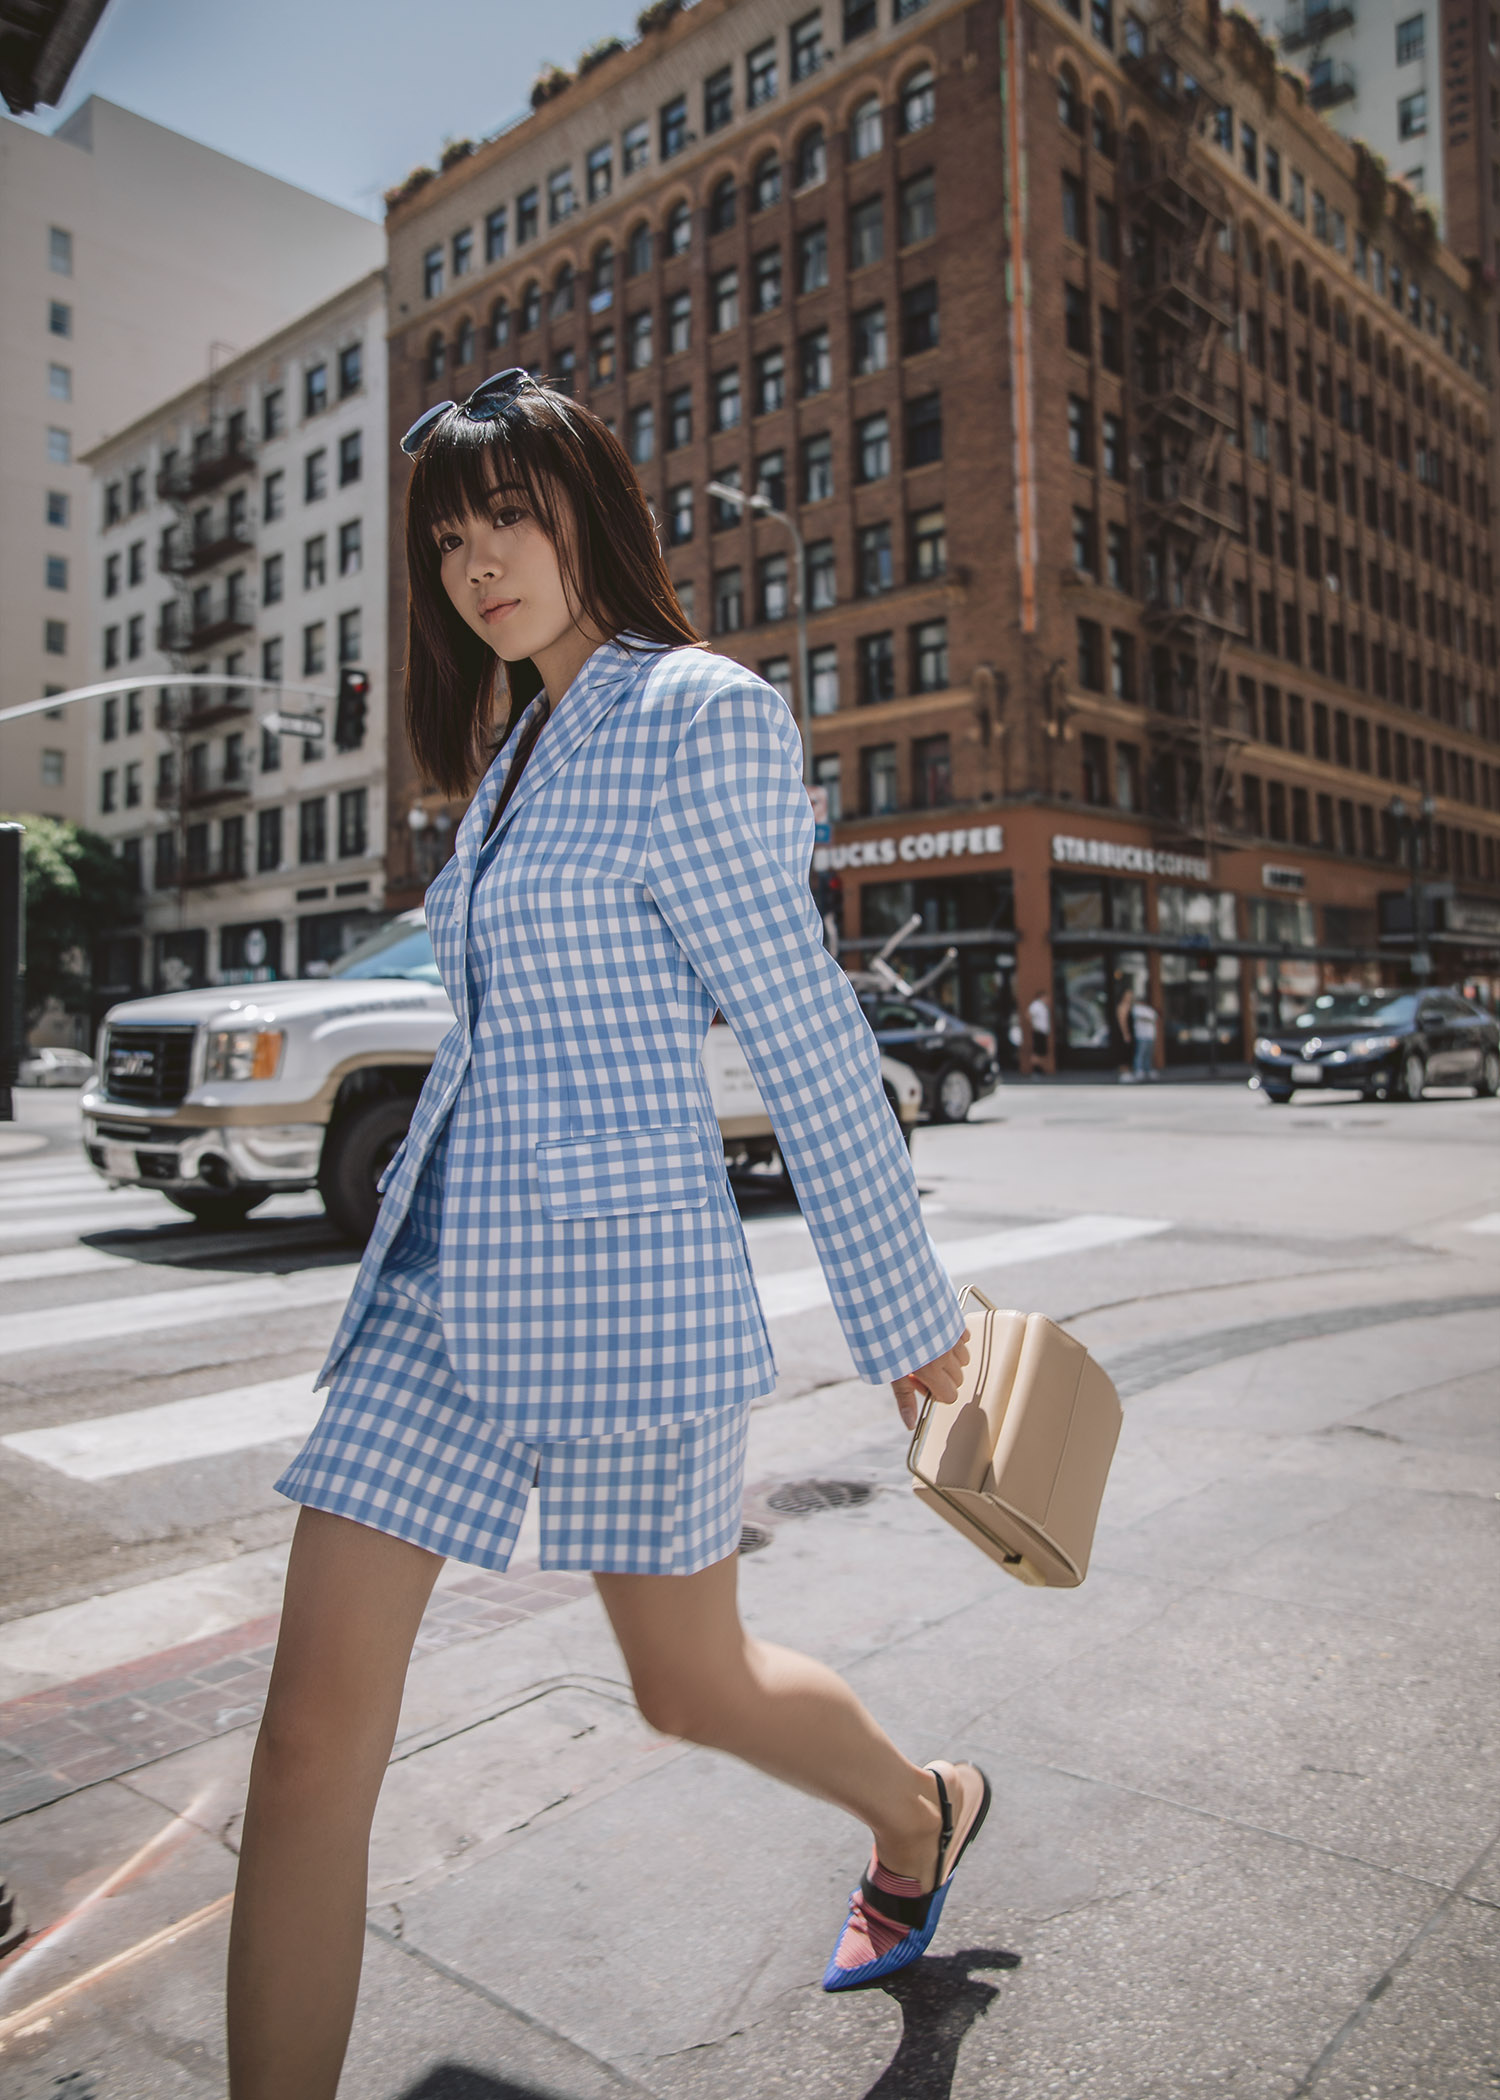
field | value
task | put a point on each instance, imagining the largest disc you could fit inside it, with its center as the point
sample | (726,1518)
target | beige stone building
(130,257)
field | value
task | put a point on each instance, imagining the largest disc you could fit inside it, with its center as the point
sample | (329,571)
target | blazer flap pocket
(618,1173)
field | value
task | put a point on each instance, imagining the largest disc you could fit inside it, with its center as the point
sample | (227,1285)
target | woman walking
(557,1292)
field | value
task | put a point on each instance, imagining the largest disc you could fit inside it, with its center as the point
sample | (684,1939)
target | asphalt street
(1243,1841)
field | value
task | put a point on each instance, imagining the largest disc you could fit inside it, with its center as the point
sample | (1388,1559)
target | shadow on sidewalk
(458,2082)
(940,2000)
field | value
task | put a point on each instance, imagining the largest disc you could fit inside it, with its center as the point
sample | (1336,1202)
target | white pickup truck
(225,1097)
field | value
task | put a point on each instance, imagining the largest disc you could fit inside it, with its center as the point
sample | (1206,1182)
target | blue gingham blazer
(651,867)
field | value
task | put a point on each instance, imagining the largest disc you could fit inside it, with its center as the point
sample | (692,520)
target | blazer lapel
(604,679)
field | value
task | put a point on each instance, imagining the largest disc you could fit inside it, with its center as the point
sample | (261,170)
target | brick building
(1141,438)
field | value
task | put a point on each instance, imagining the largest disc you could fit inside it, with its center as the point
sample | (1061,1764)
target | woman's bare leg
(354,1601)
(698,1674)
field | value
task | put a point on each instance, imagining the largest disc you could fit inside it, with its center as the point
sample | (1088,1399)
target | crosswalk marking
(151,1312)
(178,1430)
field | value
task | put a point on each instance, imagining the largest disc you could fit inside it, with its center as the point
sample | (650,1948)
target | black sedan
(1384,1045)
(956,1064)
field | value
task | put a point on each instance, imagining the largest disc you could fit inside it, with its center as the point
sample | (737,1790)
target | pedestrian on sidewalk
(1039,1014)
(557,1292)
(1138,1021)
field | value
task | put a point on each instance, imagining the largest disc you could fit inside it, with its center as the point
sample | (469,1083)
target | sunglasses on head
(487,404)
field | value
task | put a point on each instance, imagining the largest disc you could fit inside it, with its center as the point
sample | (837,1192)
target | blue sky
(338,98)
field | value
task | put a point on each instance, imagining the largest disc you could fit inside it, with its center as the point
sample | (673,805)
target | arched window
(1398,372)
(1275,273)
(602,277)
(499,324)
(918,100)
(1137,154)
(812,158)
(1252,251)
(1105,141)
(679,235)
(1299,288)
(463,342)
(722,205)
(1320,304)
(1341,323)
(1382,359)
(1362,340)
(437,355)
(1069,101)
(531,307)
(566,364)
(561,301)
(638,250)
(765,183)
(1419,388)
(865,128)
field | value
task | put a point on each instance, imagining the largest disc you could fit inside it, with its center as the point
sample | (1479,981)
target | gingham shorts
(400,1446)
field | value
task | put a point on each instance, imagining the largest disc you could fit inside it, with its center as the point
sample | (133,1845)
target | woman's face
(504,579)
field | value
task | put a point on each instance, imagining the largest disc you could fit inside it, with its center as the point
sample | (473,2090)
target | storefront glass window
(980,985)
(1089,989)
(957,904)
(1195,915)
(1098,903)
(1282,989)
(1285,922)
(1200,999)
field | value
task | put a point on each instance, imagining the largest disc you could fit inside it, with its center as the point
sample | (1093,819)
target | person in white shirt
(1039,1014)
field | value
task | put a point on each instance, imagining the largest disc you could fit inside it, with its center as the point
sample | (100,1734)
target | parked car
(223,1097)
(1384,1044)
(956,1064)
(54,1066)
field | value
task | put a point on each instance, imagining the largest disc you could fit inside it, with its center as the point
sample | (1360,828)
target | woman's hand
(941,1378)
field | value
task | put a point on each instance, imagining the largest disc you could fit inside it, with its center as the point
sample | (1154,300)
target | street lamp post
(767,509)
(1414,830)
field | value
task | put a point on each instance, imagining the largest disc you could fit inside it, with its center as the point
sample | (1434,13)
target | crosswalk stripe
(61,1261)
(69,1224)
(152,1312)
(803,1290)
(178,1430)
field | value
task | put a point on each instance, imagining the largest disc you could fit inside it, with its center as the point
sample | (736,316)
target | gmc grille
(149,1067)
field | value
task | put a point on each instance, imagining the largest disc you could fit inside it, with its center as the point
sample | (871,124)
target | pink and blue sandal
(891,1918)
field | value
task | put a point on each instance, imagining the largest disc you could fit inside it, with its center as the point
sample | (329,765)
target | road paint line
(803,1290)
(175,1431)
(41,2009)
(1490,1222)
(190,1305)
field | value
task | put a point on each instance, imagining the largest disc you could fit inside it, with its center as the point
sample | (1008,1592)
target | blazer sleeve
(727,863)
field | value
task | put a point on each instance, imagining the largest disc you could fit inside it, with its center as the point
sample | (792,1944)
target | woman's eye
(447,541)
(509,514)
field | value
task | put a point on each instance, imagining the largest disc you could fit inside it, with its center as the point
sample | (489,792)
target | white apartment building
(127,253)
(1375,73)
(239,529)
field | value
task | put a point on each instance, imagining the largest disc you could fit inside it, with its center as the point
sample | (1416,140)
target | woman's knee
(697,1705)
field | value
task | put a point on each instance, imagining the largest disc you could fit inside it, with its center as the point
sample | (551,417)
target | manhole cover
(754,1538)
(800,1498)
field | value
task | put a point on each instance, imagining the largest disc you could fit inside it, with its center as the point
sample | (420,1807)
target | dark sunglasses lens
(496,393)
(416,437)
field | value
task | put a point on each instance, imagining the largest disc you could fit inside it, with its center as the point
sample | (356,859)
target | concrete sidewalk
(1243,1840)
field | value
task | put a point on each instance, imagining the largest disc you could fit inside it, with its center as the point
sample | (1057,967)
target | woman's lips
(498,611)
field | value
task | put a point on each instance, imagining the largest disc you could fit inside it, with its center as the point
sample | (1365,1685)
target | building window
(1411,39)
(877,765)
(59,447)
(638,342)
(930,656)
(314,389)
(823,680)
(1080,432)
(822,585)
(873,447)
(60,382)
(315,476)
(1076,319)
(918,208)
(729,600)
(1411,115)
(924,430)
(1072,207)
(770,382)
(272,579)
(674,127)
(135,637)
(773,582)
(349,636)
(859,18)
(351,547)
(810,164)
(876,656)
(111,647)
(601,356)
(761,75)
(1090,656)
(1127,776)
(641,433)
(680,513)
(109,725)
(351,457)
(1111,340)
(60,251)
(866,234)
(929,540)
(718,99)
(133,790)
(55,637)
(137,556)
(1094,757)
(528,215)
(679,323)
(58,507)
(812,259)
(807,46)
(876,569)
(635,147)
(1085,542)
(1121,665)
(679,418)
(726,399)
(828,775)
(918,101)
(432,273)
(561,202)
(724,300)
(767,268)
(865,129)
(1113,433)
(314,649)
(312,831)
(353,822)
(817,468)
(770,478)
(869,341)
(1117,558)
(314,562)
(815,363)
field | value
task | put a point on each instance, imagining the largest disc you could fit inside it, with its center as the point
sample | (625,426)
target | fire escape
(1186,418)
(213,606)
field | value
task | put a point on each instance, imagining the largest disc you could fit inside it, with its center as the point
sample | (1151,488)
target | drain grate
(801,1498)
(754,1539)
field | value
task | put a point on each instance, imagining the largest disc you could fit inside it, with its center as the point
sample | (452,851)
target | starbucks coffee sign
(911,846)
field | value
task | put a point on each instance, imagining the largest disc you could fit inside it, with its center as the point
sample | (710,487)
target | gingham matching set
(557,1279)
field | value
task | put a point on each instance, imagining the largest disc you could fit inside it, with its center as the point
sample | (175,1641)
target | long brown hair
(570,470)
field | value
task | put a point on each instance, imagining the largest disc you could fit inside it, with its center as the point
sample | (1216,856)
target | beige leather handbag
(1018,1462)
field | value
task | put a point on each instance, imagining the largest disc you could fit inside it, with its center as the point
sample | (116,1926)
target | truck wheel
(955,1096)
(219,1212)
(356,1153)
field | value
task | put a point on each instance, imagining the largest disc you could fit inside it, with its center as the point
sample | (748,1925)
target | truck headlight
(244,1053)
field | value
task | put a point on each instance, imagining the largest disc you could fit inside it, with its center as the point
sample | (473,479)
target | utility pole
(1414,830)
(766,509)
(12,964)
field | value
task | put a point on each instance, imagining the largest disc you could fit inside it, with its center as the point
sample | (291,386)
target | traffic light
(349,714)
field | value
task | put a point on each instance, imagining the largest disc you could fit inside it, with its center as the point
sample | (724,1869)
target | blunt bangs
(568,470)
